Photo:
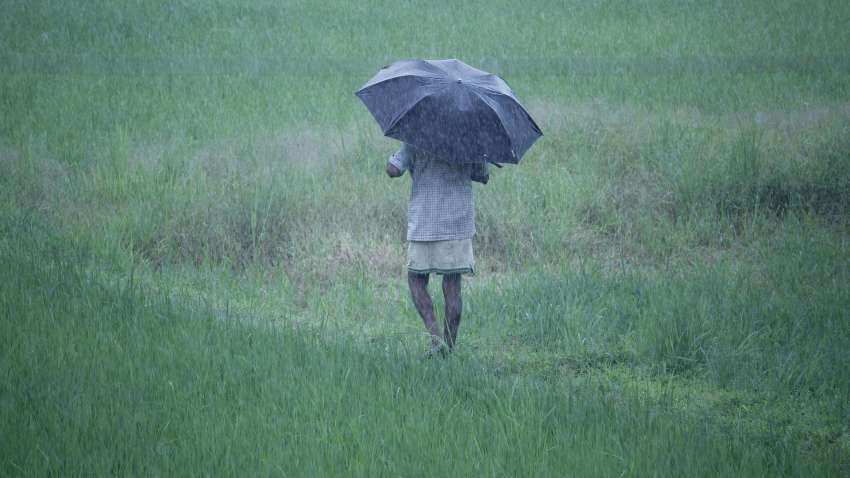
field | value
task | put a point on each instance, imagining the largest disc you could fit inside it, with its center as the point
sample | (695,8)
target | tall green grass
(110,378)
(202,262)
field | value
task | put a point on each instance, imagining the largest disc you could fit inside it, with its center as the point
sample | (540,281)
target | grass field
(201,260)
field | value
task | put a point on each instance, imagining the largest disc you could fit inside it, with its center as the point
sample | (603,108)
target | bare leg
(454,306)
(419,292)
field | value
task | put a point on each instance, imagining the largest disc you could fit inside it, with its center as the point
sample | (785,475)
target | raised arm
(399,162)
(393,171)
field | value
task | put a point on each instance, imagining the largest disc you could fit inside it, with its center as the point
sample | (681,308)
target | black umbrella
(450,109)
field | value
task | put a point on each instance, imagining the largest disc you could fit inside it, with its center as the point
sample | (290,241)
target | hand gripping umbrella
(450,109)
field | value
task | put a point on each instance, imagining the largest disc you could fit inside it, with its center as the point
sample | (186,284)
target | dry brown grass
(233,201)
(620,144)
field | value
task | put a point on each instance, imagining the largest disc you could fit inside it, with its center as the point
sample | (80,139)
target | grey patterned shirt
(441,203)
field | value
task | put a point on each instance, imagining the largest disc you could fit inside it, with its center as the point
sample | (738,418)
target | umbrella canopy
(450,109)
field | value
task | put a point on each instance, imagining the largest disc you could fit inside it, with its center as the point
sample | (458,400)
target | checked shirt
(441,204)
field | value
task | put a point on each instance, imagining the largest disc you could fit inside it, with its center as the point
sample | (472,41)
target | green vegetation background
(201,263)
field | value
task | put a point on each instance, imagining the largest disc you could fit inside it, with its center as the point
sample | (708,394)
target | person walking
(440,227)
(453,121)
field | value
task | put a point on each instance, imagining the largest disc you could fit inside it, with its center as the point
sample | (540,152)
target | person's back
(440,227)
(441,198)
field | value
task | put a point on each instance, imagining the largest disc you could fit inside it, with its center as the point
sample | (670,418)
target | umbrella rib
(515,100)
(496,112)
(401,114)
(371,85)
